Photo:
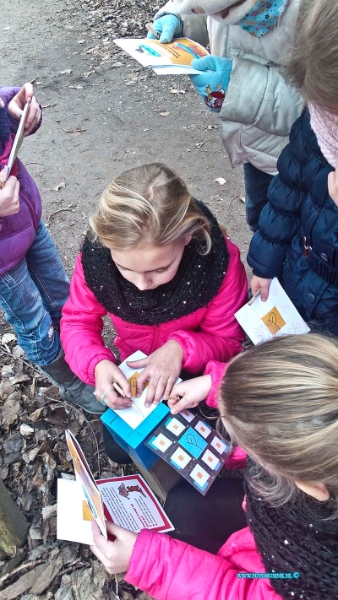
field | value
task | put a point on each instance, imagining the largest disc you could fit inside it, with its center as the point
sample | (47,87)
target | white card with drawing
(277,316)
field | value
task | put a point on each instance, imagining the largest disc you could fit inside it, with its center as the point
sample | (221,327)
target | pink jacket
(211,332)
(168,569)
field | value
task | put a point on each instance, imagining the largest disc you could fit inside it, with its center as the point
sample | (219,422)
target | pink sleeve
(216,370)
(219,336)
(168,569)
(81,328)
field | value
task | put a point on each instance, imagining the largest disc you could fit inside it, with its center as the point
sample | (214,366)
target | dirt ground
(103,114)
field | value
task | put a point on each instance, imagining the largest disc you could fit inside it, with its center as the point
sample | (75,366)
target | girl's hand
(107,373)
(192,392)
(258,283)
(116,555)
(9,195)
(16,106)
(332,182)
(162,368)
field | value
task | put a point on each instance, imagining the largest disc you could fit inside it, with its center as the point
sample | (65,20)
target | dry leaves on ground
(33,454)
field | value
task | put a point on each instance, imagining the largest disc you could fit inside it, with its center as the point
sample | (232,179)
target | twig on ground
(33,563)
(70,207)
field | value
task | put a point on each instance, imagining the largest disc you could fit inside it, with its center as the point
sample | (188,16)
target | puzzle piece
(273,320)
(132,380)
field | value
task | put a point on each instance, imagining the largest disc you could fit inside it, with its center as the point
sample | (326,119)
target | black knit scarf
(296,538)
(196,282)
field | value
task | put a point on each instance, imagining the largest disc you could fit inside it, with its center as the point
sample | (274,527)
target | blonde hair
(148,203)
(280,403)
(313,66)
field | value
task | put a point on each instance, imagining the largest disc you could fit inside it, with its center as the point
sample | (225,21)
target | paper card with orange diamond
(277,316)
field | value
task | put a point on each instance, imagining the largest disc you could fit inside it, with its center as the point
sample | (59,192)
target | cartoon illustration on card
(125,491)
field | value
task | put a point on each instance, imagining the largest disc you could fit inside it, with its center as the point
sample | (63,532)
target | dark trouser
(256,193)
(114,450)
(207,521)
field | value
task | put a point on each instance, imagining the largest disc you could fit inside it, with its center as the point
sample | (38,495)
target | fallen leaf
(18,352)
(19,378)
(75,130)
(8,337)
(220,180)
(34,416)
(59,186)
(26,430)
(11,409)
(23,583)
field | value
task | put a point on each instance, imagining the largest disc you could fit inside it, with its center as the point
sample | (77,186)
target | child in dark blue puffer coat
(297,239)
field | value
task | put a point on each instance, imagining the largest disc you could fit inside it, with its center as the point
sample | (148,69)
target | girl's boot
(71,388)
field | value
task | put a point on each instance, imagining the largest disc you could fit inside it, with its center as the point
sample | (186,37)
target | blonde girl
(279,402)
(158,263)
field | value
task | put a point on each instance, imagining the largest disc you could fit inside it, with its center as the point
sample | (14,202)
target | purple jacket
(17,232)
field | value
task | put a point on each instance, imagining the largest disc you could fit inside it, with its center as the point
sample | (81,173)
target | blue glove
(169,27)
(213,82)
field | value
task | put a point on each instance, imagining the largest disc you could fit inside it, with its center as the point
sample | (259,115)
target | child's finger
(332,184)
(33,117)
(179,389)
(27,93)
(111,399)
(151,391)
(183,404)
(254,285)
(124,384)
(141,381)
(3,173)
(264,291)
(137,364)
(172,400)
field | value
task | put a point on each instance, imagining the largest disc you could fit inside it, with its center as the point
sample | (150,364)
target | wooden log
(13,524)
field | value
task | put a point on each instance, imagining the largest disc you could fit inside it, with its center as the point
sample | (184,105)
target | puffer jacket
(210,332)
(168,569)
(260,106)
(17,232)
(297,240)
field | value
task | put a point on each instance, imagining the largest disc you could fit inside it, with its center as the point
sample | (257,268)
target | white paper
(70,525)
(277,309)
(131,504)
(17,140)
(129,501)
(130,415)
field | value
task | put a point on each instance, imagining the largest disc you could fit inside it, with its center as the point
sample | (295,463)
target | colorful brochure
(127,501)
(166,59)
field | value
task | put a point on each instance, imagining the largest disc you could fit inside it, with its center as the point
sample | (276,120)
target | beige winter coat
(260,106)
